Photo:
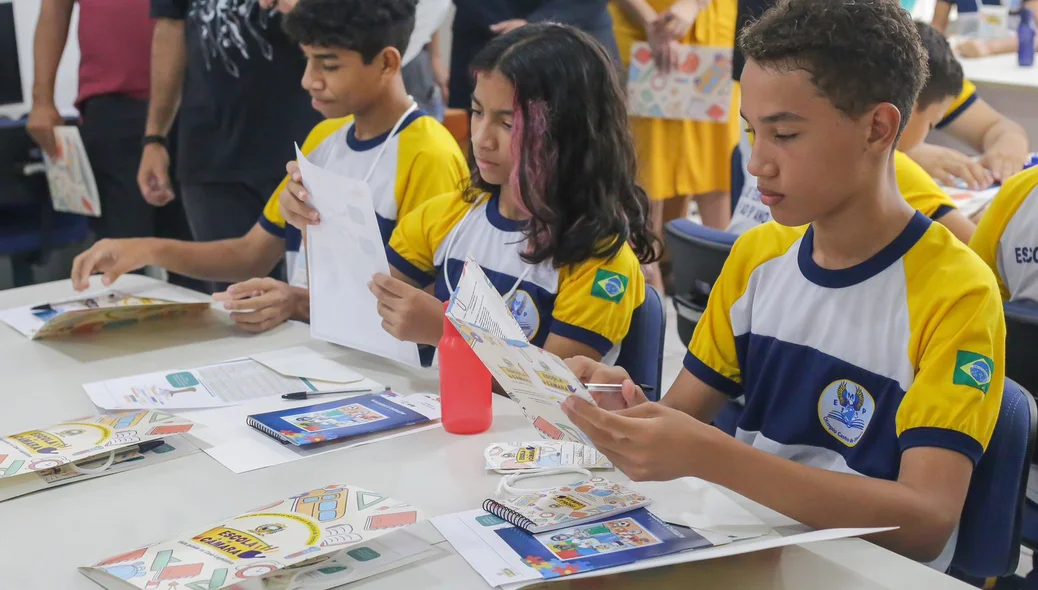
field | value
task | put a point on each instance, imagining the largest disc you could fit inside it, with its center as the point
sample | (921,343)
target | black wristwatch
(149,139)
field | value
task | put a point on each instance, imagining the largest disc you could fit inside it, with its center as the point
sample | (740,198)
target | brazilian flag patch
(973,370)
(609,285)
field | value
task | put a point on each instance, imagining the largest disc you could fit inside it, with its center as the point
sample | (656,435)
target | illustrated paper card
(299,531)
(69,176)
(80,439)
(536,379)
(582,501)
(91,313)
(698,89)
(536,455)
(476,301)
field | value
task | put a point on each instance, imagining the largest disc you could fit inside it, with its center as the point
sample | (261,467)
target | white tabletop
(45,536)
(1001,70)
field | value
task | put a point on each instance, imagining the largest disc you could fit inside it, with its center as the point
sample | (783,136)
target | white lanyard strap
(447,256)
(504,487)
(392,132)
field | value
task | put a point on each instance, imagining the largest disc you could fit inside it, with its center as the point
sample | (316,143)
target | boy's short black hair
(858,53)
(364,26)
(945,72)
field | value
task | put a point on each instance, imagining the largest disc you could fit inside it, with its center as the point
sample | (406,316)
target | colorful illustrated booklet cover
(504,554)
(536,379)
(70,177)
(539,511)
(346,418)
(94,312)
(273,544)
(47,453)
(543,454)
(698,89)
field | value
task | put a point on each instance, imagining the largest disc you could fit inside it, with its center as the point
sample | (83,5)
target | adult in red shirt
(115,51)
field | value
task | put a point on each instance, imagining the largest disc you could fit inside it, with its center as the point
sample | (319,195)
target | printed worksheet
(343,253)
(476,301)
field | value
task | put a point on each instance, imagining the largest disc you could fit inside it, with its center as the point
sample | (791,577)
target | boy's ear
(391,60)
(884,123)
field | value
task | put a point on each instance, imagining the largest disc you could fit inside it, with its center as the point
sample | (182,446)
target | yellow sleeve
(963,101)
(954,400)
(271,219)
(920,189)
(417,236)
(431,165)
(712,355)
(999,213)
(597,299)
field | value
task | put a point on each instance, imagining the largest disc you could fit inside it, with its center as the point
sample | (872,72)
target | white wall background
(25,14)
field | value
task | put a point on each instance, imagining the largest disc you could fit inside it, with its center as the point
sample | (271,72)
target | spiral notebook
(346,418)
(580,502)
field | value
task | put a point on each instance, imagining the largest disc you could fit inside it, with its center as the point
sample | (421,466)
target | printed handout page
(343,253)
(69,176)
(477,302)
(222,384)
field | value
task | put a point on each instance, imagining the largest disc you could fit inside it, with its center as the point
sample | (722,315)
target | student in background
(1007,237)
(870,349)
(353,50)
(676,158)
(552,213)
(943,81)
(230,75)
(113,107)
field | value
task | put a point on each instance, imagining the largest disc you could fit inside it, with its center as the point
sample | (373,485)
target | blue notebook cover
(344,418)
(605,543)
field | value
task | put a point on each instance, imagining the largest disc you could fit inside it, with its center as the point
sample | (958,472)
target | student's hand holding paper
(257,305)
(1005,160)
(946,165)
(294,200)
(114,258)
(43,118)
(590,371)
(408,313)
(649,442)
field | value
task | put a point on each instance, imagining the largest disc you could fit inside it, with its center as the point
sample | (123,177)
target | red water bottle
(465,389)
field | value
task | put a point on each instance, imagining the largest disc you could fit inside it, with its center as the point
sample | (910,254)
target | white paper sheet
(477,302)
(69,176)
(343,253)
(701,506)
(241,448)
(231,382)
(300,361)
(969,201)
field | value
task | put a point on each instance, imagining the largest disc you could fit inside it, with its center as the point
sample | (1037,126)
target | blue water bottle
(1025,35)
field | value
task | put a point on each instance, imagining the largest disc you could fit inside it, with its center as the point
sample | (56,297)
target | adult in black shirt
(749,11)
(235,78)
(476,22)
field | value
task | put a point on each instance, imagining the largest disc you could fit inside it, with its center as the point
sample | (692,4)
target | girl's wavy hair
(574,163)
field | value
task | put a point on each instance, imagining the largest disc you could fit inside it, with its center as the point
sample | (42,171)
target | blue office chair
(641,352)
(1021,343)
(992,517)
(697,255)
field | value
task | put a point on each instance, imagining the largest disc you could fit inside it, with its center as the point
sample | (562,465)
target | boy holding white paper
(354,49)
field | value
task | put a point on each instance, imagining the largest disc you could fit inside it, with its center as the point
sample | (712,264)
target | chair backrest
(1021,342)
(989,530)
(641,352)
(697,253)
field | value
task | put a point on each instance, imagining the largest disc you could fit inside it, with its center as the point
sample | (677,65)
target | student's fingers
(633,395)
(292,169)
(256,301)
(96,259)
(258,322)
(295,208)
(392,285)
(246,288)
(585,417)
(944,177)
(582,367)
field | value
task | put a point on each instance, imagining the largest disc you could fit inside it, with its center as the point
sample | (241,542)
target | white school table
(45,536)
(1007,87)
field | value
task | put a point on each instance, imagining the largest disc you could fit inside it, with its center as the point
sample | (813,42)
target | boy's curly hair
(945,72)
(858,53)
(364,26)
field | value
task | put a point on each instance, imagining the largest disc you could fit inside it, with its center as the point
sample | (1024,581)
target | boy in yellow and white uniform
(1007,237)
(870,347)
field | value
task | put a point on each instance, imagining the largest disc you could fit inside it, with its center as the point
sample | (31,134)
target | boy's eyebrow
(782,117)
(323,56)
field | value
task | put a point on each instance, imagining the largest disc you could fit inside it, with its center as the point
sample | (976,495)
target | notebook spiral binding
(508,515)
(265,430)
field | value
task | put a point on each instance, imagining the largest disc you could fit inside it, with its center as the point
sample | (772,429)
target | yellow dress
(677,158)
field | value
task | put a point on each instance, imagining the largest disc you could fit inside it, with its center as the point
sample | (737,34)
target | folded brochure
(299,531)
(542,454)
(85,314)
